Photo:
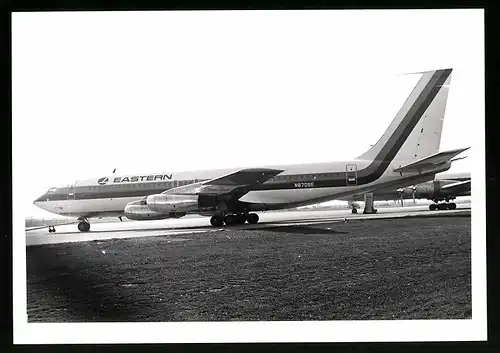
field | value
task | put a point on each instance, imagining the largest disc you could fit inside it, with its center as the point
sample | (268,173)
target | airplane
(406,154)
(444,187)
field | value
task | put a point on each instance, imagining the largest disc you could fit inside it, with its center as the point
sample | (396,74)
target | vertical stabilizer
(415,132)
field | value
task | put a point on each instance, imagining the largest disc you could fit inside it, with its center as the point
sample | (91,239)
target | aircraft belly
(290,195)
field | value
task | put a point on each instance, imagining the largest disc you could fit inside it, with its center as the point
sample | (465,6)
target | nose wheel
(84,226)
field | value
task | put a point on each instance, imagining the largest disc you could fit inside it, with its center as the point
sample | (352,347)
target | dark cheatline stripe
(364,176)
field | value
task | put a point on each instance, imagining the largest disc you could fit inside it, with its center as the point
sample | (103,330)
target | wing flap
(243,181)
(239,182)
(430,162)
(245,177)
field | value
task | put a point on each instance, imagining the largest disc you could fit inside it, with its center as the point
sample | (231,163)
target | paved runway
(190,225)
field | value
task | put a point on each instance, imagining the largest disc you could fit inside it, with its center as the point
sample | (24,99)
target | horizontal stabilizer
(430,162)
(459,184)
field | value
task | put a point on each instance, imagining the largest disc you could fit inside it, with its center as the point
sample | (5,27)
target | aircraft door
(71,192)
(351,174)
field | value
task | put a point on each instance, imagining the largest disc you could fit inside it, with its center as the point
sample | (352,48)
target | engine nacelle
(139,211)
(425,190)
(167,203)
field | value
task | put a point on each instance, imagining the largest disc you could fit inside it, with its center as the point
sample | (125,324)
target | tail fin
(416,130)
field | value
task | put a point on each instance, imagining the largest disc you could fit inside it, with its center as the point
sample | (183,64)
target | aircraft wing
(240,181)
(245,177)
(459,185)
(430,162)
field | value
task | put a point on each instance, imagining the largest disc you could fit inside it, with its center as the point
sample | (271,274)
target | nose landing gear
(83,225)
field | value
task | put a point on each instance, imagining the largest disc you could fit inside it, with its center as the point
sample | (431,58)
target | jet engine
(425,190)
(139,211)
(167,203)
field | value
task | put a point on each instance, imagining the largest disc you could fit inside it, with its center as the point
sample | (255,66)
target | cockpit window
(52,189)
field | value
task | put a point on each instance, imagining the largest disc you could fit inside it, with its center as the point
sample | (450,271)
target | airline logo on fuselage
(132,179)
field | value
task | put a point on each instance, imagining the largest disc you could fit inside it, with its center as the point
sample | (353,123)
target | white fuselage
(301,188)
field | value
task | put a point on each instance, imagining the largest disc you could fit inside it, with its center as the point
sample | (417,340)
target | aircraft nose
(40,199)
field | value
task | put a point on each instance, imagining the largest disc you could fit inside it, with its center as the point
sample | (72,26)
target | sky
(172,91)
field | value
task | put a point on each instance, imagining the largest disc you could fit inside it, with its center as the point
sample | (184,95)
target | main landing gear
(83,225)
(234,219)
(443,206)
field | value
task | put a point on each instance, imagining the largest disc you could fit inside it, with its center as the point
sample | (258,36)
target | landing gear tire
(442,206)
(354,210)
(253,218)
(83,226)
(52,229)
(216,221)
(241,218)
(230,219)
(452,206)
(432,207)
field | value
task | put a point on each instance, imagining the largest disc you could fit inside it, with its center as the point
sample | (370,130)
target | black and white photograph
(248,176)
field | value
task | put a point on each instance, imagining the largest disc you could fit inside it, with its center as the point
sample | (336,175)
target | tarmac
(191,225)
